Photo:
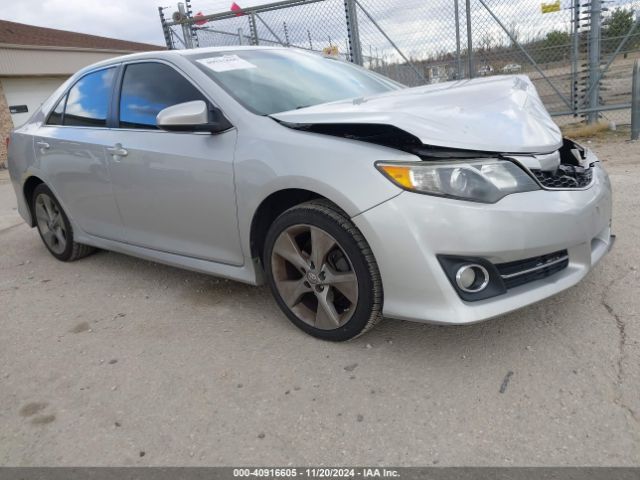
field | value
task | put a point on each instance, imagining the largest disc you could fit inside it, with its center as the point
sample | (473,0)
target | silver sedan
(351,195)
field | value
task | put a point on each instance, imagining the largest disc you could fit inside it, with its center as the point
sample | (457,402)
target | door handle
(117,150)
(43,145)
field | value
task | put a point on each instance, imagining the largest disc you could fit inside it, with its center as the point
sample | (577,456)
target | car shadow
(519,329)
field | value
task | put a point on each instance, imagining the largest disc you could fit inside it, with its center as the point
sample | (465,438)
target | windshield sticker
(226,63)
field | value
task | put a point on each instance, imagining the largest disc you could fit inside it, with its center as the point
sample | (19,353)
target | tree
(616,27)
(556,46)
(557,38)
(486,42)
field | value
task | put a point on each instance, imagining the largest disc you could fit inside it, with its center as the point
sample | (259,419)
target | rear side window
(147,88)
(55,118)
(88,100)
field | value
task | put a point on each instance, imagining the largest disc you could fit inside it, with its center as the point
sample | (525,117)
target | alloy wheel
(50,223)
(314,276)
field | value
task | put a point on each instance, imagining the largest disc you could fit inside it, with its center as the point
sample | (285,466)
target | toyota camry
(352,196)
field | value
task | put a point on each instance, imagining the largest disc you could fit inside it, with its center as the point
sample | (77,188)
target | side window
(88,100)
(55,117)
(147,88)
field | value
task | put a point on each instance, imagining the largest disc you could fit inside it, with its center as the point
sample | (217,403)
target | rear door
(70,148)
(175,190)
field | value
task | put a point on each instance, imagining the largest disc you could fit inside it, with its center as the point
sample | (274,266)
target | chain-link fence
(578,53)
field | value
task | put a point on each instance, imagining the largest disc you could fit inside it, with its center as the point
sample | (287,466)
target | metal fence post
(351,16)
(240,36)
(457,21)
(469,40)
(194,33)
(594,59)
(575,52)
(187,36)
(623,42)
(167,34)
(253,29)
(635,102)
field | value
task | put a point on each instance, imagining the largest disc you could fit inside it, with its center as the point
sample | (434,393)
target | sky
(418,25)
(135,20)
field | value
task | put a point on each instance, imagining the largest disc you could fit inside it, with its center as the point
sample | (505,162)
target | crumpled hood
(496,114)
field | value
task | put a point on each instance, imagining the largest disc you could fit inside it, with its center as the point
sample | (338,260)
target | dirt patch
(32,408)
(43,419)
(81,327)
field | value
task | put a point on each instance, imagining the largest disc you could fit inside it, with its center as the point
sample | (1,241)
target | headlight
(484,181)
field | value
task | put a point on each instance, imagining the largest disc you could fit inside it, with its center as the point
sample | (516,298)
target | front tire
(322,272)
(54,226)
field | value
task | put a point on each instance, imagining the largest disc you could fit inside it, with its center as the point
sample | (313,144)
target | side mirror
(192,117)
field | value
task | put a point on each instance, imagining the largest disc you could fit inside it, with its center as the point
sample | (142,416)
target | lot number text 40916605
(321,472)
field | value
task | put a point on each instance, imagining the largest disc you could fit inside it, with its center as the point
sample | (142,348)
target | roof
(232,48)
(21,34)
(183,53)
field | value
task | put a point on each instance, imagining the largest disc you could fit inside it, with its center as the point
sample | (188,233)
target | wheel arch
(28,188)
(270,208)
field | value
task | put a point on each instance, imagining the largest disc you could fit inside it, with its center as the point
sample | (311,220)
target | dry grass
(583,130)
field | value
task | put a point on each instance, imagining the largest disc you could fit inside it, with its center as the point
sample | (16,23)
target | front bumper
(407,232)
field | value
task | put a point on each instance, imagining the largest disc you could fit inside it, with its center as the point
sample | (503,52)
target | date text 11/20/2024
(292,472)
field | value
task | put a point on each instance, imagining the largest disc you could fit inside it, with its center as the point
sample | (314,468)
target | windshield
(278,80)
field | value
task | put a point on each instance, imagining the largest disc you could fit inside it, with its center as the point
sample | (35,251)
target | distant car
(485,70)
(351,195)
(512,68)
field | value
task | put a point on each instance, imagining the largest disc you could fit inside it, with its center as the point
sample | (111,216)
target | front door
(175,190)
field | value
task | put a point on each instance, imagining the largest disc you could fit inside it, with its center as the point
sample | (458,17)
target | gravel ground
(117,361)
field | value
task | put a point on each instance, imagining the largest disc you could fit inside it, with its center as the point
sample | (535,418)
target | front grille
(565,177)
(520,272)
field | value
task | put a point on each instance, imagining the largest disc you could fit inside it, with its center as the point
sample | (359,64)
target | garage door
(29,91)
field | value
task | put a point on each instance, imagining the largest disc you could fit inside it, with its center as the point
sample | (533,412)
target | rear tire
(322,272)
(54,226)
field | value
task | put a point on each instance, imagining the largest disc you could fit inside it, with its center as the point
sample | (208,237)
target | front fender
(338,169)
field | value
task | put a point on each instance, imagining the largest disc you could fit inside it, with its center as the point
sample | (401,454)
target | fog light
(472,278)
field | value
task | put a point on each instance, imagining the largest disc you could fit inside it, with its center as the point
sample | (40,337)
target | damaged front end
(501,114)
(386,136)
(480,139)
(569,167)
